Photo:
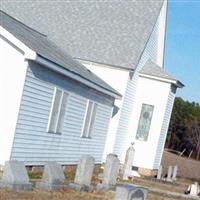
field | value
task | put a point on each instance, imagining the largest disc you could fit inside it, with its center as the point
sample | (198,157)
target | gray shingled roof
(112,32)
(152,69)
(47,49)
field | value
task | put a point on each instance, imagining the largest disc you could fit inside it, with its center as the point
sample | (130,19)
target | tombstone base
(105,187)
(50,187)
(169,180)
(126,176)
(80,188)
(16,186)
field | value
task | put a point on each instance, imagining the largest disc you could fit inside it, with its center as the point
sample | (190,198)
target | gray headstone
(110,174)
(159,175)
(174,175)
(169,174)
(84,172)
(128,162)
(52,178)
(129,192)
(15,176)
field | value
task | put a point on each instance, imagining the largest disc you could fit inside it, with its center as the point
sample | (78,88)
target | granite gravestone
(15,176)
(52,178)
(84,172)
(159,175)
(127,168)
(129,192)
(174,174)
(169,174)
(110,173)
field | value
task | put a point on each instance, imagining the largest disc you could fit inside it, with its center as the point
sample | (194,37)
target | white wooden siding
(124,121)
(118,79)
(34,145)
(164,129)
(12,76)
(129,98)
(151,51)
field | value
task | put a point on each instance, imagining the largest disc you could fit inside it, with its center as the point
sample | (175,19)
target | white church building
(117,48)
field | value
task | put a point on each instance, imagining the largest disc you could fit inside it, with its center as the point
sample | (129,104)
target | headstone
(110,174)
(15,176)
(174,173)
(159,175)
(130,192)
(169,174)
(52,178)
(128,162)
(194,189)
(84,172)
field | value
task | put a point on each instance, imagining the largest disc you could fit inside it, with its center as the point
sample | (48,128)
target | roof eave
(179,84)
(47,63)
(99,64)
(175,82)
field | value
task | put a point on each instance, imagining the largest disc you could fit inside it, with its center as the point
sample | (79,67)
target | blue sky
(182,51)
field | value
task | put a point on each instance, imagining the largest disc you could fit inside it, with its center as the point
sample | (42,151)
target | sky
(182,50)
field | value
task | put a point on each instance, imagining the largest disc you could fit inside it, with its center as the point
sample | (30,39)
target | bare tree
(194,136)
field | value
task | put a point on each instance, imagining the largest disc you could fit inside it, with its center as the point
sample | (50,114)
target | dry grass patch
(63,195)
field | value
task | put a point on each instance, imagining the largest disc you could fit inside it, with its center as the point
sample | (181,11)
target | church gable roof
(45,48)
(152,69)
(108,32)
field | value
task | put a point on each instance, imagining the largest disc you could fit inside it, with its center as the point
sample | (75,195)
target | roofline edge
(59,69)
(172,81)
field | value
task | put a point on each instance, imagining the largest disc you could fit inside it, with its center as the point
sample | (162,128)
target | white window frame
(87,131)
(59,121)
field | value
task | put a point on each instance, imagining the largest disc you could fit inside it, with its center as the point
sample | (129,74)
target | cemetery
(86,102)
(111,180)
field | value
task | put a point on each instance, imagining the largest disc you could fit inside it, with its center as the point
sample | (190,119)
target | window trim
(56,127)
(88,134)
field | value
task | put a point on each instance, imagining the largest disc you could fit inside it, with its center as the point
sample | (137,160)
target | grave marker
(15,176)
(84,172)
(129,192)
(128,162)
(110,173)
(52,178)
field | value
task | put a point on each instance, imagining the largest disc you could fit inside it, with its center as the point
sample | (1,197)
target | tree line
(184,129)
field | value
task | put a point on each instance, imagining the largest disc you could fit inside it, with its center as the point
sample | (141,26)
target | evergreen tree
(184,128)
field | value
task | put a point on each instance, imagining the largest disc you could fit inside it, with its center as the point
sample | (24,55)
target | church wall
(117,78)
(164,129)
(152,93)
(12,76)
(154,51)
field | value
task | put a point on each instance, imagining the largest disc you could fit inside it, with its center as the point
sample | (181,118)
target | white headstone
(194,189)
(127,169)
(84,172)
(110,174)
(174,175)
(159,175)
(129,192)
(52,178)
(169,174)
(15,176)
